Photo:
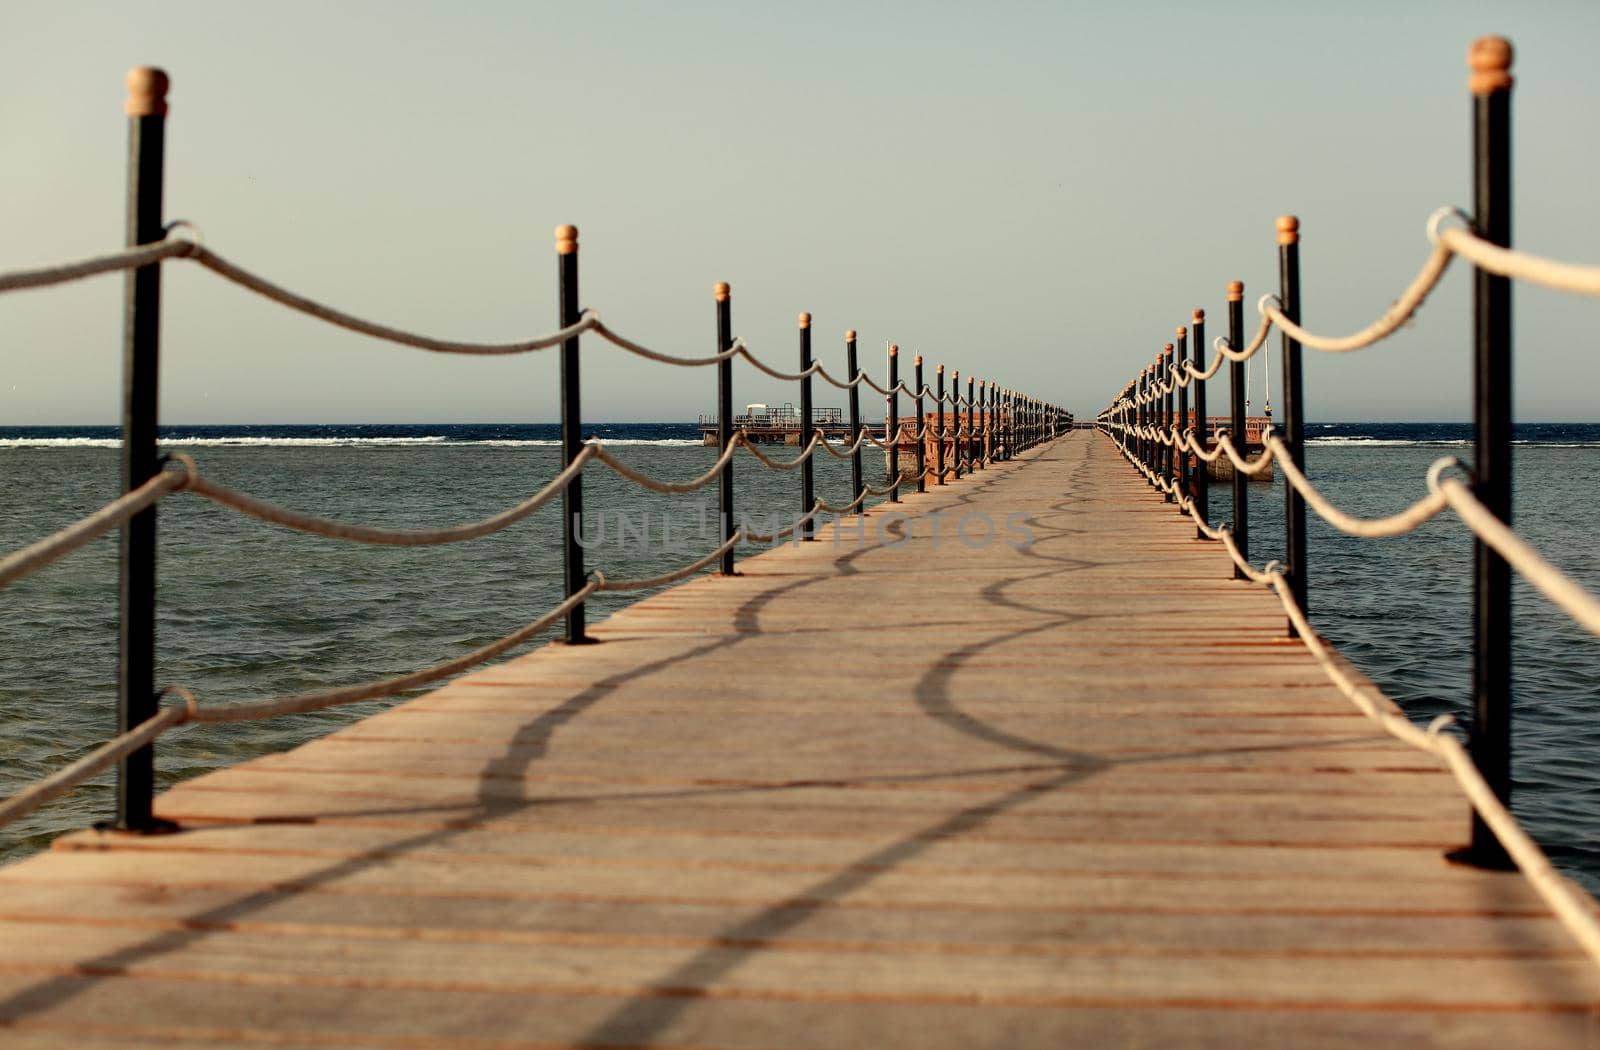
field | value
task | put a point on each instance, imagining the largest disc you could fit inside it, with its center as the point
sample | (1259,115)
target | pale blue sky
(1036,193)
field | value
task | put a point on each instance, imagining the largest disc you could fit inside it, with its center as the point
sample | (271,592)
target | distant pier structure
(766,424)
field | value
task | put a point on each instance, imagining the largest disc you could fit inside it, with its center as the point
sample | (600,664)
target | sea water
(249,611)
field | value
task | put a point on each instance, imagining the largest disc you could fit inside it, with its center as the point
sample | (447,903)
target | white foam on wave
(1366,442)
(215,442)
(60,443)
(666,442)
(436,440)
(556,443)
(304,442)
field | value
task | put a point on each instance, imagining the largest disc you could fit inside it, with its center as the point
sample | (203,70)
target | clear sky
(1033,192)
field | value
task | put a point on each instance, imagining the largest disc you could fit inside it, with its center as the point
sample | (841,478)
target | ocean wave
(1371,442)
(60,443)
(1368,442)
(433,440)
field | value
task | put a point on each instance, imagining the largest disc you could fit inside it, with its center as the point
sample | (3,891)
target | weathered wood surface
(1076,793)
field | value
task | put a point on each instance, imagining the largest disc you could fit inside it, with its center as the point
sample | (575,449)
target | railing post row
(571,430)
(938,430)
(808,485)
(1490,739)
(141,456)
(1180,456)
(921,430)
(1236,429)
(1167,452)
(972,410)
(894,422)
(854,371)
(1200,479)
(955,423)
(994,421)
(724,296)
(1294,510)
(1146,381)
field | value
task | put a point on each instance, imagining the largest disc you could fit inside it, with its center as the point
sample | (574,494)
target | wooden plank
(1057,980)
(159,1010)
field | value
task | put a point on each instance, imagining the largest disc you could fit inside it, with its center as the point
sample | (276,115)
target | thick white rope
(1507,262)
(823,504)
(319,526)
(1534,567)
(784,464)
(101,758)
(316,701)
(294,301)
(848,450)
(612,337)
(1574,912)
(693,485)
(42,552)
(108,754)
(787,531)
(1405,521)
(1393,318)
(1572,908)
(670,577)
(893,484)
(775,373)
(129,259)
(822,373)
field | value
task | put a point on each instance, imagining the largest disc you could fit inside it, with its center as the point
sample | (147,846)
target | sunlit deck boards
(1076,794)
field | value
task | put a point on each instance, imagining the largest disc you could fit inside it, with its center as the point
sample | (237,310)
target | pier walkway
(1079,792)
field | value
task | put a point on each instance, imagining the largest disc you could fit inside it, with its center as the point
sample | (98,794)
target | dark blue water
(249,611)
(376,435)
(1401,609)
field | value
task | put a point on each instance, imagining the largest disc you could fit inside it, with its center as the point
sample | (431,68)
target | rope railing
(1570,906)
(1142,422)
(58,545)
(111,262)
(680,573)
(1022,423)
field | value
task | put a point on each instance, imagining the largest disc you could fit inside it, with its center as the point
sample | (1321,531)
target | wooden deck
(1079,794)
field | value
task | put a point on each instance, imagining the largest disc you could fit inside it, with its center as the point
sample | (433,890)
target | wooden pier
(893,793)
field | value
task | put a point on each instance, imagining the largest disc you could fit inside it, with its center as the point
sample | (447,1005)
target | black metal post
(1200,479)
(972,426)
(1168,460)
(1013,424)
(808,487)
(1138,416)
(724,298)
(938,400)
(1294,510)
(571,430)
(1236,430)
(922,430)
(985,450)
(955,423)
(1144,414)
(1490,743)
(1007,436)
(855,418)
(992,421)
(1180,455)
(894,422)
(137,700)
